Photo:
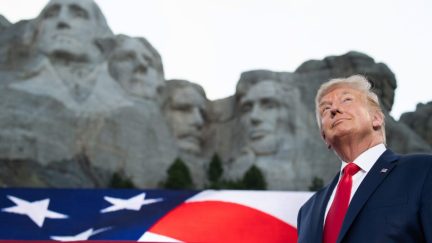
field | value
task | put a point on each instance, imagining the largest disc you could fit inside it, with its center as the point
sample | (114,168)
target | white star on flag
(37,211)
(133,203)
(81,236)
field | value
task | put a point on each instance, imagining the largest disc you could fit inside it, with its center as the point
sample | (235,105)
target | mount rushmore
(78,104)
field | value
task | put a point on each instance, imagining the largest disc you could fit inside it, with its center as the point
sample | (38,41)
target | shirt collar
(368,158)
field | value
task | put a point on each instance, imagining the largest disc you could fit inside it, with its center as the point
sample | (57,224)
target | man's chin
(67,49)
(189,146)
(264,146)
(339,134)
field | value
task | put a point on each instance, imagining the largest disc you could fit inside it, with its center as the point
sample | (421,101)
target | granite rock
(420,121)
(79,104)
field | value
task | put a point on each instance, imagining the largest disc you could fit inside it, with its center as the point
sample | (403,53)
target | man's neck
(79,77)
(349,149)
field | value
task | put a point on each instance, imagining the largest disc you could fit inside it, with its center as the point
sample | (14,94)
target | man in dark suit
(377,196)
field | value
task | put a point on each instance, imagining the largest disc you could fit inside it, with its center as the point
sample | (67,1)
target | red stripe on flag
(215,221)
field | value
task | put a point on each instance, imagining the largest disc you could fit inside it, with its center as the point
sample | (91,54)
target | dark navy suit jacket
(392,204)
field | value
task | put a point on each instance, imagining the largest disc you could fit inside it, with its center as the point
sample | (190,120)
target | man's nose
(334,110)
(63,25)
(256,115)
(197,118)
(141,64)
(63,19)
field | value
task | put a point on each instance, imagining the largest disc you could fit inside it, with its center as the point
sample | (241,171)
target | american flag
(149,215)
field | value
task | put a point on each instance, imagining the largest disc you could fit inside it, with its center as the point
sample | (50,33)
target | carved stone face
(67,29)
(186,117)
(131,64)
(262,115)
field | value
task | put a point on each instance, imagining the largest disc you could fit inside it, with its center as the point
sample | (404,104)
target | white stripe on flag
(152,237)
(280,204)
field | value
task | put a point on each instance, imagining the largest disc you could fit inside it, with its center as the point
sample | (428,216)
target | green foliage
(317,184)
(231,184)
(178,176)
(120,181)
(215,170)
(214,175)
(254,179)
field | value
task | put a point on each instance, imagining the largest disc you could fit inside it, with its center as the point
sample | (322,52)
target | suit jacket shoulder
(393,202)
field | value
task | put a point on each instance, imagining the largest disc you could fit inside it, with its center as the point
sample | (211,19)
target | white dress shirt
(365,161)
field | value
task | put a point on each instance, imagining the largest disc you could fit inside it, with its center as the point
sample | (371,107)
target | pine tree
(215,169)
(178,176)
(120,181)
(317,183)
(254,179)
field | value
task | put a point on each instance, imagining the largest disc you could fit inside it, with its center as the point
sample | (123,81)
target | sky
(211,42)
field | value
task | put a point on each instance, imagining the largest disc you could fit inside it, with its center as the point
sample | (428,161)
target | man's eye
(130,56)
(183,108)
(246,107)
(51,12)
(79,12)
(125,56)
(347,99)
(269,103)
(147,59)
(324,109)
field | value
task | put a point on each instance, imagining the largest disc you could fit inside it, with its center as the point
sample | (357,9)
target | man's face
(68,27)
(186,118)
(344,111)
(131,65)
(262,116)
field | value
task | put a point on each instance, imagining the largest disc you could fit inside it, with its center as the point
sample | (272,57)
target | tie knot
(351,169)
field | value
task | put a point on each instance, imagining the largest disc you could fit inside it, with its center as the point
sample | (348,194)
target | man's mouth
(191,138)
(136,79)
(337,122)
(64,38)
(257,134)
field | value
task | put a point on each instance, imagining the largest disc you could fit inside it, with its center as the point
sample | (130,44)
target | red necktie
(336,214)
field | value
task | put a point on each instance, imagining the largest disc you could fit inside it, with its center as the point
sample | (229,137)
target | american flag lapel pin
(384,170)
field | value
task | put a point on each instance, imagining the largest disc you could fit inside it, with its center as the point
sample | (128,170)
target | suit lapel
(372,180)
(322,202)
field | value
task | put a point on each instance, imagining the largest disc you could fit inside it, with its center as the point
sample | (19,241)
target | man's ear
(377,120)
(323,136)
